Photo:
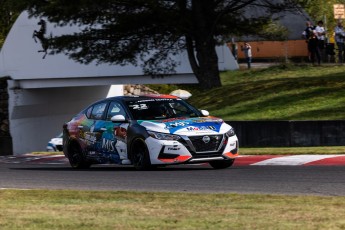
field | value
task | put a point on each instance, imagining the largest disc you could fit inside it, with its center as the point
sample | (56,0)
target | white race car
(55,144)
(148,131)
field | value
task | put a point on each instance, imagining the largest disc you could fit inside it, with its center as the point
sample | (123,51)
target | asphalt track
(293,175)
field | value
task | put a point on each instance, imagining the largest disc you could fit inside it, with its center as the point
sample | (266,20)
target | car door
(114,134)
(92,134)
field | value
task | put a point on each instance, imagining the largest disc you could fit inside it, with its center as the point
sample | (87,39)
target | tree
(8,14)
(125,31)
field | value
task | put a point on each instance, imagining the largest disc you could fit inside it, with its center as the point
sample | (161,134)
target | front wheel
(222,164)
(140,155)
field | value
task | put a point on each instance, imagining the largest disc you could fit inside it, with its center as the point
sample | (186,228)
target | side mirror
(205,112)
(118,118)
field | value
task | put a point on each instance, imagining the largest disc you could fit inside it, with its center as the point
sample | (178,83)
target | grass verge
(284,92)
(43,209)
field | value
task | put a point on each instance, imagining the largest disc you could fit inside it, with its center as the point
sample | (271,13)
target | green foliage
(274,31)
(8,13)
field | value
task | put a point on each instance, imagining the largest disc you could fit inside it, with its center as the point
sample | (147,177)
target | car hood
(187,126)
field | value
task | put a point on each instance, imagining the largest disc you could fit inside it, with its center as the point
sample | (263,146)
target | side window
(97,111)
(182,110)
(115,108)
(88,112)
(179,109)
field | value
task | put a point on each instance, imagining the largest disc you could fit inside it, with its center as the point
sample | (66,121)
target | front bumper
(190,149)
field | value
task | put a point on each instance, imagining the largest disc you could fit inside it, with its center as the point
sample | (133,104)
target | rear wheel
(76,157)
(222,164)
(140,155)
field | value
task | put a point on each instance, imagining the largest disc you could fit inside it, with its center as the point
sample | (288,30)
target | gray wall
(37,115)
(289,133)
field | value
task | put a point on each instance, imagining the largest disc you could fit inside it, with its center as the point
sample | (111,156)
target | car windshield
(161,108)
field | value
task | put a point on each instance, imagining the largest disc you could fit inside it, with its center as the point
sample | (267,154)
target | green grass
(60,209)
(284,92)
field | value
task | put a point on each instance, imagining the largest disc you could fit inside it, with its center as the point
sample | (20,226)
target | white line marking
(294,160)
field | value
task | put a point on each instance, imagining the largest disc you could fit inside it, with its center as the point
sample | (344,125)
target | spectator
(320,34)
(247,49)
(310,36)
(313,47)
(339,39)
(306,35)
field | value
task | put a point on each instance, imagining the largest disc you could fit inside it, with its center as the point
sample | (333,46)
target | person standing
(320,34)
(306,35)
(313,47)
(309,34)
(339,39)
(247,49)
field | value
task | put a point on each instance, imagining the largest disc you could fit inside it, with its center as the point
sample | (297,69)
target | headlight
(230,133)
(163,136)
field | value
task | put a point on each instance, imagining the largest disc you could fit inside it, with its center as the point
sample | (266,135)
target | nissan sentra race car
(148,131)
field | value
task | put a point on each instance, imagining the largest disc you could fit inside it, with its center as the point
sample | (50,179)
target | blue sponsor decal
(193,124)
(108,145)
(190,124)
(201,128)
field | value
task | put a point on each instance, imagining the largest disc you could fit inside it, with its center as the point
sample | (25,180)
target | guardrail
(289,133)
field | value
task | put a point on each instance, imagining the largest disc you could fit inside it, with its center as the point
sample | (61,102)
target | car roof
(136,98)
(144,97)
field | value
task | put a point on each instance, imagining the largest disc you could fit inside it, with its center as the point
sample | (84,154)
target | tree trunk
(204,62)
(201,45)
(208,72)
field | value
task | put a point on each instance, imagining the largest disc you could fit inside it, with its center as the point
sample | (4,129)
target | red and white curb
(34,159)
(293,160)
(244,160)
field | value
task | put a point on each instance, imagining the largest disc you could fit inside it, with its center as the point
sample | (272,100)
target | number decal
(139,106)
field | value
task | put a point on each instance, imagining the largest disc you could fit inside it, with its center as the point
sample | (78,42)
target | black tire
(140,155)
(76,157)
(222,164)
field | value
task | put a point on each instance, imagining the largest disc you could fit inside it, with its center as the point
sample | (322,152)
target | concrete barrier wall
(289,133)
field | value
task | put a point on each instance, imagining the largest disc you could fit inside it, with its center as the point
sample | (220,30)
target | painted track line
(34,159)
(292,160)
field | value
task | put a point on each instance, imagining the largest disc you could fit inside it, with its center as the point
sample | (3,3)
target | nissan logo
(206,139)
